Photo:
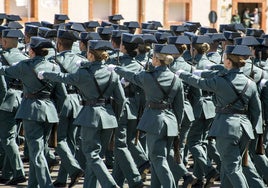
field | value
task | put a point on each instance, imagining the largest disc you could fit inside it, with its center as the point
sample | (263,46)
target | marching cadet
(48,34)
(115,54)
(91,26)
(67,130)
(132,26)
(97,118)
(84,38)
(13,166)
(3,91)
(37,110)
(133,94)
(60,18)
(115,19)
(257,74)
(237,100)
(30,30)
(163,112)
(181,43)
(204,111)
(128,155)
(213,54)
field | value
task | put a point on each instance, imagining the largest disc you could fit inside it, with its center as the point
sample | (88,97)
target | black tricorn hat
(61,17)
(179,40)
(39,42)
(130,38)
(85,36)
(67,34)
(241,50)
(46,32)
(12,33)
(31,30)
(100,45)
(165,49)
(247,41)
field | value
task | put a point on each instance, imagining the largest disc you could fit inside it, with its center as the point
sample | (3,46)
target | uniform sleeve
(3,89)
(201,83)
(119,97)
(14,71)
(60,95)
(255,113)
(178,105)
(264,99)
(66,78)
(135,78)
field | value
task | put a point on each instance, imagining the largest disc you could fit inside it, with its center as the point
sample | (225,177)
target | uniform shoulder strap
(166,94)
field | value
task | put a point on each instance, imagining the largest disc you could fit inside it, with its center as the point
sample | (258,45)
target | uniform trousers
(37,135)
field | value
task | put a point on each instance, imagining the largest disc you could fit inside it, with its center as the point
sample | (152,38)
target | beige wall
(224,14)
(129,9)
(46,11)
(2,6)
(102,9)
(154,10)
(78,10)
(200,11)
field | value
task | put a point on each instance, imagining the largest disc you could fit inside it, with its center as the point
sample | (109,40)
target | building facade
(167,11)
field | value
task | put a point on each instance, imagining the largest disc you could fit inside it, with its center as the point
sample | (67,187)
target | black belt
(36,96)
(95,102)
(230,111)
(158,106)
(15,86)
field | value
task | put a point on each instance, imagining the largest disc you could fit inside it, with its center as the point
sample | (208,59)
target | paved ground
(80,184)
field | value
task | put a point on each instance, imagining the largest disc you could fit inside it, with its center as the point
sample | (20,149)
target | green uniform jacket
(201,102)
(134,101)
(13,96)
(91,116)
(67,61)
(258,72)
(42,110)
(214,57)
(180,64)
(228,125)
(153,121)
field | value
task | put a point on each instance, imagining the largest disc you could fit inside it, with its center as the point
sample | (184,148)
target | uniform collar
(65,51)
(160,68)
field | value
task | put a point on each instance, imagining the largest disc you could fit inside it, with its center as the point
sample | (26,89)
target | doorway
(241,5)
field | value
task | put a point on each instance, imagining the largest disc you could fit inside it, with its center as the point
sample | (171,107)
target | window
(27,9)
(177,11)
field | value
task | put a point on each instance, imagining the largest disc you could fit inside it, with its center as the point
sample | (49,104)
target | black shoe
(139,185)
(75,177)
(144,169)
(189,180)
(59,184)
(15,181)
(211,177)
(52,164)
(4,180)
(198,184)
(25,159)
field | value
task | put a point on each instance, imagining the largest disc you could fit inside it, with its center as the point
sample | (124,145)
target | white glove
(124,82)
(197,72)
(178,72)
(78,63)
(262,83)
(40,75)
(111,67)
(208,67)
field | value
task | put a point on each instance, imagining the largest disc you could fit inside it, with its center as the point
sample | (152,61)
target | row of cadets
(97,118)
(12,169)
